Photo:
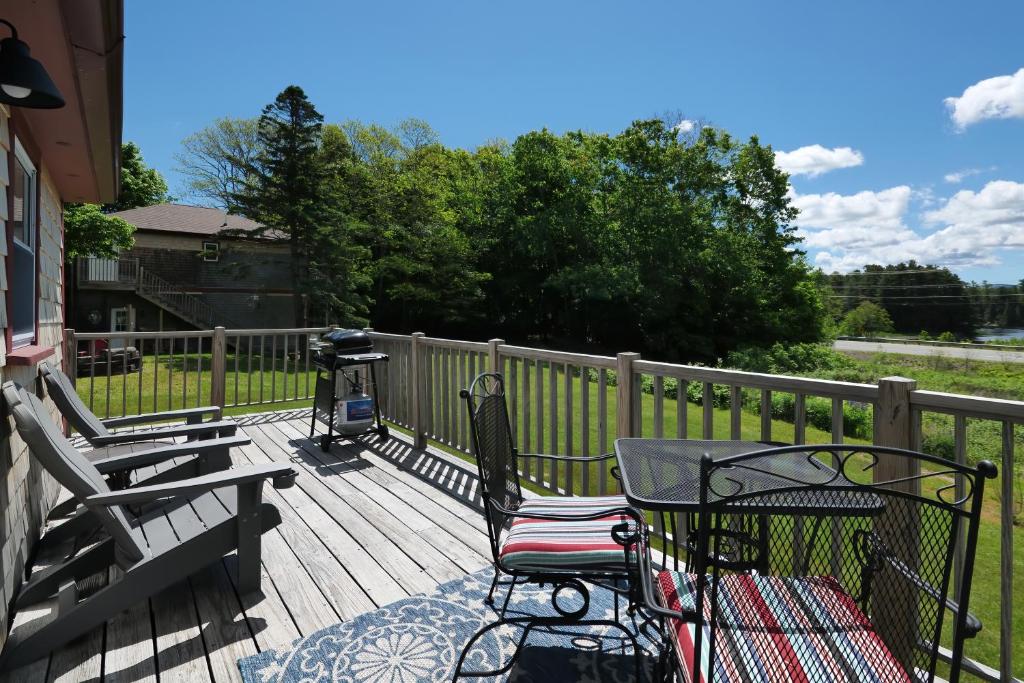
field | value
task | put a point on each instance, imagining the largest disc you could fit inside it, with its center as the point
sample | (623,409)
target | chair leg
(250,535)
(494,582)
(508,595)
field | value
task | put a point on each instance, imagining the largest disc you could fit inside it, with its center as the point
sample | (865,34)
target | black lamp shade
(19,70)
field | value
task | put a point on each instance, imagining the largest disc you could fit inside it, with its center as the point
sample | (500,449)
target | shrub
(866,320)
(924,336)
(947,337)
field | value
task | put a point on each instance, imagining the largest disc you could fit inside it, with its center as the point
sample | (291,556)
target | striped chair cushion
(774,628)
(539,544)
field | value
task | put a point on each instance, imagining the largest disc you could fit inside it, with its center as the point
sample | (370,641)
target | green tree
(90,231)
(866,320)
(216,159)
(140,184)
(285,188)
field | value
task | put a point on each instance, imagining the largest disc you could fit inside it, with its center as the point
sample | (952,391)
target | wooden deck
(363,526)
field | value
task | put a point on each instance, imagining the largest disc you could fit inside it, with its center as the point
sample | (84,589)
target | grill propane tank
(354,413)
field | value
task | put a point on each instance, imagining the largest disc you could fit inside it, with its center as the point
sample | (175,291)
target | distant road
(924,350)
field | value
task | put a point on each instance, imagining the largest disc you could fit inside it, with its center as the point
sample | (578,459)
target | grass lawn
(164,384)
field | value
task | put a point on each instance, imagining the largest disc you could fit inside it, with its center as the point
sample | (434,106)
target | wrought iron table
(663,476)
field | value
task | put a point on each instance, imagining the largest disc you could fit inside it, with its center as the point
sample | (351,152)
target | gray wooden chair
(97,432)
(184,526)
(114,453)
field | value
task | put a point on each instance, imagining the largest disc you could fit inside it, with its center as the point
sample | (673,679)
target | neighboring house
(184,274)
(47,157)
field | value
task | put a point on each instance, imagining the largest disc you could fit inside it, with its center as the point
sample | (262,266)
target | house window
(211,251)
(23,225)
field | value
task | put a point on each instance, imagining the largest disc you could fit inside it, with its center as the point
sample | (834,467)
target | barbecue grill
(343,359)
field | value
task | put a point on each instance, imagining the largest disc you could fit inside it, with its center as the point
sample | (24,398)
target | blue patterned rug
(420,639)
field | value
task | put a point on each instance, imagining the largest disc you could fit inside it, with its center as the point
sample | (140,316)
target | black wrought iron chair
(849,577)
(561,541)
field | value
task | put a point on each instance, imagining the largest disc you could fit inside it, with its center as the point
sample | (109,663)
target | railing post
(492,355)
(894,427)
(419,437)
(218,368)
(625,425)
(70,359)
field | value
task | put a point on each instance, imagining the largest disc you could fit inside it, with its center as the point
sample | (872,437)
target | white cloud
(976,228)
(685,126)
(813,160)
(1001,97)
(958,177)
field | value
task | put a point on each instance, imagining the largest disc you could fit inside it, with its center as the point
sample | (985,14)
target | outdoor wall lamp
(23,81)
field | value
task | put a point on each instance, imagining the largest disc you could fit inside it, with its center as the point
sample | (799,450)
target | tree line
(913,298)
(677,244)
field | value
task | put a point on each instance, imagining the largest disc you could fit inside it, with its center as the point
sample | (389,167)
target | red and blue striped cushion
(539,544)
(773,628)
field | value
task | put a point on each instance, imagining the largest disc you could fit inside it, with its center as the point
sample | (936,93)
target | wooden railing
(571,403)
(97,271)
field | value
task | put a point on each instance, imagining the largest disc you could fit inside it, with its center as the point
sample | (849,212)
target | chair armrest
(972,625)
(568,458)
(282,474)
(223,428)
(152,456)
(190,415)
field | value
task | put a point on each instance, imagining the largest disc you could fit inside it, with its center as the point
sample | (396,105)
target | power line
(925,296)
(844,285)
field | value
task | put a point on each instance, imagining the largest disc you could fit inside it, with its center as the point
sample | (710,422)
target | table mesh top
(665,474)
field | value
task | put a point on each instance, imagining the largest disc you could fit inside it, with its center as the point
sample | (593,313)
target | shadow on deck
(366,524)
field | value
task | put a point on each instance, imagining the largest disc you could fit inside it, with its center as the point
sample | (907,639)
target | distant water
(996,333)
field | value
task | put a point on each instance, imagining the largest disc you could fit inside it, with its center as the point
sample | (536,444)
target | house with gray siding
(48,157)
(191,267)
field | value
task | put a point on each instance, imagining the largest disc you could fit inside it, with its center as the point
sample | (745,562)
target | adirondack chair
(115,449)
(184,526)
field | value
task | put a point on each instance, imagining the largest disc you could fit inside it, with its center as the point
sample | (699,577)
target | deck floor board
(365,524)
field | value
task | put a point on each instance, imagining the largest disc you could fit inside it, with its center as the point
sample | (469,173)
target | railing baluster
(199,372)
(567,390)
(262,359)
(1006,638)
(156,372)
(553,422)
(766,415)
(836,528)
(273,368)
(284,371)
(184,365)
(92,374)
(538,385)
(960,456)
(602,426)
(463,360)
(659,407)
(445,399)
(527,427)
(799,418)
(708,403)
(512,385)
(735,412)
(682,408)
(110,361)
(585,428)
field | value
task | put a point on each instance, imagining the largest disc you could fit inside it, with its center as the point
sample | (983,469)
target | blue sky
(901,172)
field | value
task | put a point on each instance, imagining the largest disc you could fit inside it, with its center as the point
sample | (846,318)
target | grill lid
(348,342)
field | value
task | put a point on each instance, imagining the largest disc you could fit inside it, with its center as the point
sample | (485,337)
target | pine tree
(288,193)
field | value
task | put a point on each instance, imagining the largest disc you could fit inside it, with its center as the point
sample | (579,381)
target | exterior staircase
(128,273)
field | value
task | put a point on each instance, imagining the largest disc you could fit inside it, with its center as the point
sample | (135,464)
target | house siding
(249,286)
(28,492)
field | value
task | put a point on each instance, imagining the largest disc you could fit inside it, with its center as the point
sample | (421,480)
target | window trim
(211,248)
(30,217)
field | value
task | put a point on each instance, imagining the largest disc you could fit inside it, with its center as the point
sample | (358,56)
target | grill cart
(344,359)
